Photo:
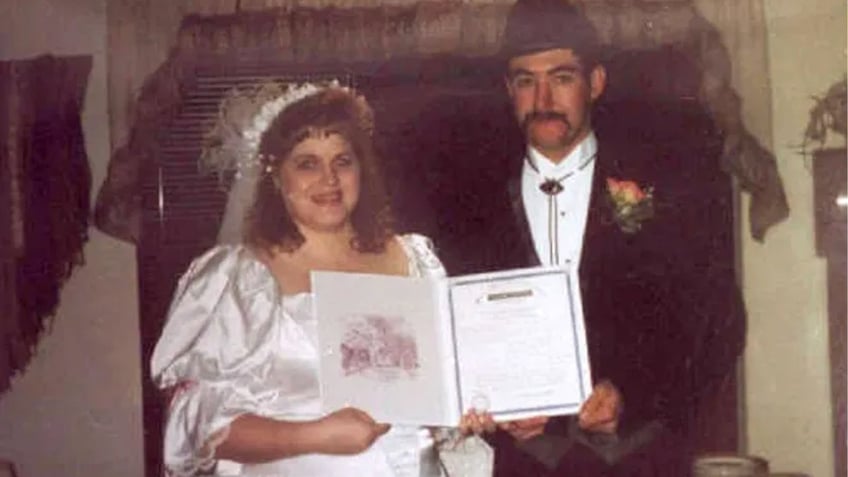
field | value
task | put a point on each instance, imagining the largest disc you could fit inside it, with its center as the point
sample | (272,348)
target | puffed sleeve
(212,353)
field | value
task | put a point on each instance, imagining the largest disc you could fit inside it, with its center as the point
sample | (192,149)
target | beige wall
(786,363)
(77,409)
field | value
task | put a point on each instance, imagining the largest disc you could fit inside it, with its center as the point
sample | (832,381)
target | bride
(238,354)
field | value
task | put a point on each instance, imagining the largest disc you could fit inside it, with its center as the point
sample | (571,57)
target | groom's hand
(523,429)
(601,411)
(476,422)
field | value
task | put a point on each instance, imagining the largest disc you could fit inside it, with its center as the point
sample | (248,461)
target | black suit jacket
(664,316)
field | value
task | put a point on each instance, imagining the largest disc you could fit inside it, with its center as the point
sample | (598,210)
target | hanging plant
(828,115)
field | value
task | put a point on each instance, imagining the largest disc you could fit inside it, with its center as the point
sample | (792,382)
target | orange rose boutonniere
(631,205)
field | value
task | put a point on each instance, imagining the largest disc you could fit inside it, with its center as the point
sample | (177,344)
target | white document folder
(423,351)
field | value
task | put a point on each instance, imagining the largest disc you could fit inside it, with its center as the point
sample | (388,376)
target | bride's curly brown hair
(331,111)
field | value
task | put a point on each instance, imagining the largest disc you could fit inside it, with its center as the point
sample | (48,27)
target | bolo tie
(552,187)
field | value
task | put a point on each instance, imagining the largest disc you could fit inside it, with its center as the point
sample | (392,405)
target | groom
(650,230)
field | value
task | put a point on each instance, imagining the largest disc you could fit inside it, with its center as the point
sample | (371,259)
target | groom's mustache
(544,116)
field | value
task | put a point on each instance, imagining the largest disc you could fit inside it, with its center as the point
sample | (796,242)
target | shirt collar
(546,168)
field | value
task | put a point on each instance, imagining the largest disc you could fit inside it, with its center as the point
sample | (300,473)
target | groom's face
(552,96)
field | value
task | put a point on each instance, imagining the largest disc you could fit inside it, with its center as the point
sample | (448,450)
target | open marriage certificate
(423,351)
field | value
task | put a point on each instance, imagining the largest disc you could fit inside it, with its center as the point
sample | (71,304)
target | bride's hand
(349,431)
(476,422)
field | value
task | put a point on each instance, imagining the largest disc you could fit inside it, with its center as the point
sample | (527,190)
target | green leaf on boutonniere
(631,205)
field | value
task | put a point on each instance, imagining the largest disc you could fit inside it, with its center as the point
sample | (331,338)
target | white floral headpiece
(243,116)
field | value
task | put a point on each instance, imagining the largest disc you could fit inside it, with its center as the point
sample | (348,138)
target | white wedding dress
(233,344)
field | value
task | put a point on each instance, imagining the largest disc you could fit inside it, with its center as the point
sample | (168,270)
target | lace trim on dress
(420,255)
(465,456)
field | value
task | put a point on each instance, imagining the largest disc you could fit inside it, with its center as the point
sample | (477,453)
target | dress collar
(577,158)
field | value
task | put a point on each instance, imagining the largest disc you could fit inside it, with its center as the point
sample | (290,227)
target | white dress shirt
(557,223)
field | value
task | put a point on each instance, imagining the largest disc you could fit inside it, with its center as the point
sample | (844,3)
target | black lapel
(600,229)
(522,227)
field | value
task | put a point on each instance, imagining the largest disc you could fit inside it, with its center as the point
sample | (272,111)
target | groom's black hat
(538,25)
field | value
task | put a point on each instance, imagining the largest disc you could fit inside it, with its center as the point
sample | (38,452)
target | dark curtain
(314,38)
(45,185)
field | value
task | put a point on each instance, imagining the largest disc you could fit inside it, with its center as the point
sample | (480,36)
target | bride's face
(319,182)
